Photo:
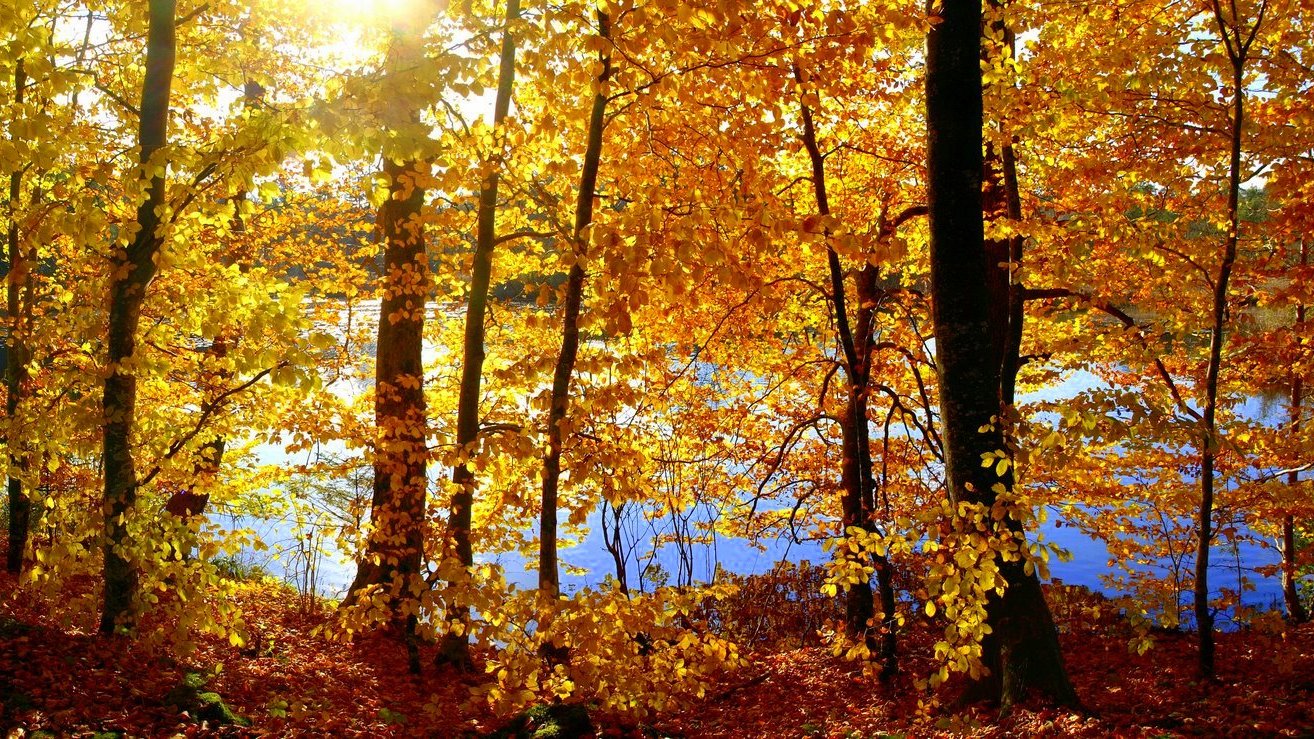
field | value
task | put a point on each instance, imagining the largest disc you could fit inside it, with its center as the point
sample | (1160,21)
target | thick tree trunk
(17,356)
(1024,638)
(548,576)
(456,647)
(395,548)
(133,270)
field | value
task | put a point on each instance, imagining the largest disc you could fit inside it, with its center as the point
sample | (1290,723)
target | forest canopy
(452,291)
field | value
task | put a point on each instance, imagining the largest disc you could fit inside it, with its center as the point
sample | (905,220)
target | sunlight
(368,10)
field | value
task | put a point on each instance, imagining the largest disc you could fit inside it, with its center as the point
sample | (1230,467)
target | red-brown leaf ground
(70,681)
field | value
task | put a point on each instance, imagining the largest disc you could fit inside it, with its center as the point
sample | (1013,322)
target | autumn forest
(657,368)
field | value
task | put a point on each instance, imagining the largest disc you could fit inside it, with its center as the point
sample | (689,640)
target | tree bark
(869,298)
(133,270)
(1237,51)
(855,461)
(18,275)
(1296,612)
(456,647)
(548,576)
(1023,654)
(395,548)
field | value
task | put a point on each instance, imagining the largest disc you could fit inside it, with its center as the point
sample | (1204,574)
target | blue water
(587,563)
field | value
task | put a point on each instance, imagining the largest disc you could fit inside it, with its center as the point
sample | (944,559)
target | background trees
(662,265)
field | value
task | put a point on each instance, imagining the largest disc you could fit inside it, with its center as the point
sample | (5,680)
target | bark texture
(1022,653)
(134,269)
(548,572)
(456,648)
(18,278)
(394,550)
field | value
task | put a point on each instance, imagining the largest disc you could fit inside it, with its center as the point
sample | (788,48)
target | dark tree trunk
(614,541)
(456,648)
(855,462)
(1023,653)
(1296,612)
(394,551)
(869,299)
(18,275)
(133,270)
(1238,48)
(395,548)
(548,576)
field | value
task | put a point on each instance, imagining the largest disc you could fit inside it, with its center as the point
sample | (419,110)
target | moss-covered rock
(191,696)
(555,721)
(11,628)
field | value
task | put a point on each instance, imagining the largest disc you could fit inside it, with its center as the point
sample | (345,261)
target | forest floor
(58,679)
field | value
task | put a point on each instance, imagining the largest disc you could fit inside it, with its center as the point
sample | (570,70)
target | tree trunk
(869,298)
(394,551)
(133,270)
(395,548)
(456,647)
(1023,655)
(548,577)
(855,463)
(19,273)
(1296,612)
(1237,51)
(613,539)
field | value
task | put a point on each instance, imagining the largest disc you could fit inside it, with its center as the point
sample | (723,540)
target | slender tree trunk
(1296,612)
(1237,50)
(456,647)
(19,273)
(612,538)
(548,577)
(1025,640)
(859,607)
(869,298)
(133,270)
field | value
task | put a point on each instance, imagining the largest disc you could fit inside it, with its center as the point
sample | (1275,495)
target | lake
(588,563)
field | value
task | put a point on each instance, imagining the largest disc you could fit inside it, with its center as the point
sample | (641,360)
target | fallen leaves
(290,681)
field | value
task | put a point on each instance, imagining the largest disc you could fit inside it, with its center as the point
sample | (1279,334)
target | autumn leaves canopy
(693,270)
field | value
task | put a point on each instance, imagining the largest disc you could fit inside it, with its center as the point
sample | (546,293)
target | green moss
(203,705)
(11,628)
(556,721)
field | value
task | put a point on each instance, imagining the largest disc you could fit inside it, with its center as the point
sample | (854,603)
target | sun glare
(367,11)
